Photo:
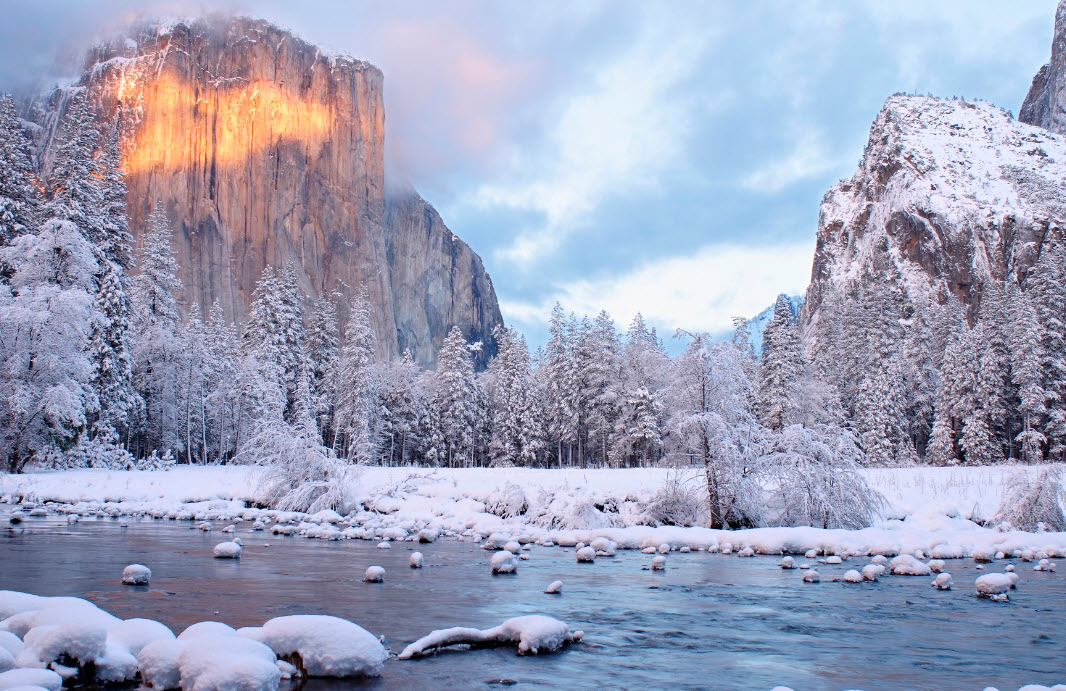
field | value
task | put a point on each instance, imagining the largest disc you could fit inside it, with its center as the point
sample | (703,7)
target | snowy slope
(951,192)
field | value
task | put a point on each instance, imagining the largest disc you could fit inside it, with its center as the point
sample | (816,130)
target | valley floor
(940,511)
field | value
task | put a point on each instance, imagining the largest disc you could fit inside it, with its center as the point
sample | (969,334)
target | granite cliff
(262,148)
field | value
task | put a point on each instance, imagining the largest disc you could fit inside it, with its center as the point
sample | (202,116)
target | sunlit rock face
(262,149)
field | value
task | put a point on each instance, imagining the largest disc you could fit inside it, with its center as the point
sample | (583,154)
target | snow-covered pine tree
(637,434)
(403,408)
(455,402)
(115,242)
(323,354)
(603,393)
(782,367)
(196,373)
(275,327)
(110,354)
(515,437)
(77,193)
(156,347)
(1047,284)
(19,186)
(558,391)
(1025,357)
(223,385)
(357,418)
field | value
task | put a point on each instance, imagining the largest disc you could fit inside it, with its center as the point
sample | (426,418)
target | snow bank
(322,646)
(929,509)
(534,634)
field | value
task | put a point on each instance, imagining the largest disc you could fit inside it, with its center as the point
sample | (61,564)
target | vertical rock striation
(1045,104)
(264,149)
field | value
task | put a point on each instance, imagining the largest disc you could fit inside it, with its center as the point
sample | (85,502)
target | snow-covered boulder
(1044,565)
(204,526)
(124,642)
(788,563)
(879,559)
(211,662)
(31,679)
(428,535)
(228,550)
(503,562)
(322,646)
(649,550)
(871,572)
(496,541)
(665,548)
(136,574)
(746,552)
(603,547)
(983,555)
(906,565)
(554,588)
(942,581)
(853,576)
(994,585)
(811,554)
(374,574)
(513,547)
(834,559)
(936,565)
(534,634)
(658,563)
(417,560)
(586,555)
(811,576)
(384,545)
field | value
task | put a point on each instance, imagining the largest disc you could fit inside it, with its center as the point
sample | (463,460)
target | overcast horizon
(588,151)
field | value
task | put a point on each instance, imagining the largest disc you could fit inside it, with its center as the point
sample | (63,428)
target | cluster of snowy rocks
(51,642)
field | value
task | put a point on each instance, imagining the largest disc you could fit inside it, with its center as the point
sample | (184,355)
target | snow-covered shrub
(1035,503)
(677,502)
(508,501)
(813,472)
(101,452)
(299,473)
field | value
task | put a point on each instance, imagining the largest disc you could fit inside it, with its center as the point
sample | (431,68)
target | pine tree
(403,409)
(455,402)
(1047,283)
(1024,346)
(76,191)
(19,187)
(323,353)
(515,437)
(115,242)
(275,327)
(223,390)
(782,367)
(357,409)
(558,396)
(110,354)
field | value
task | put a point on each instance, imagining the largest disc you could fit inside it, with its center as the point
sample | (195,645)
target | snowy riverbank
(928,509)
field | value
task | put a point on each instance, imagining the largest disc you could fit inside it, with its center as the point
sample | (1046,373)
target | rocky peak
(263,148)
(1045,104)
(951,193)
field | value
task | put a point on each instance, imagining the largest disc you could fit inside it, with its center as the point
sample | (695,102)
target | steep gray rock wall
(1045,104)
(263,149)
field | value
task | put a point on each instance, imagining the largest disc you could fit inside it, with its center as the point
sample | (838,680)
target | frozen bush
(1035,503)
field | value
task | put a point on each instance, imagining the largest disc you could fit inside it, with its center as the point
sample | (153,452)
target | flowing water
(709,621)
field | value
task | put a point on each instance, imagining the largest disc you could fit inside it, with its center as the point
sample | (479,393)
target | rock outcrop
(1045,104)
(952,193)
(264,149)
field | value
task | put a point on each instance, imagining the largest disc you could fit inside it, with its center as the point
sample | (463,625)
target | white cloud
(614,137)
(809,158)
(701,291)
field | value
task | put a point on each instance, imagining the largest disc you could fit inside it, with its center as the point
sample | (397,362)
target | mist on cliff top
(666,158)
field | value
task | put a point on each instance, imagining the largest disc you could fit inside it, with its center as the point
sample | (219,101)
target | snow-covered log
(533,633)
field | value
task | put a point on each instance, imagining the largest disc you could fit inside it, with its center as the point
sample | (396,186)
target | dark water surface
(709,621)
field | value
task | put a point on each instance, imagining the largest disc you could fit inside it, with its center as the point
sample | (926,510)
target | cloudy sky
(662,157)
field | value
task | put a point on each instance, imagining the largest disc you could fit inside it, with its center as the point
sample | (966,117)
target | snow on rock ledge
(534,634)
(322,646)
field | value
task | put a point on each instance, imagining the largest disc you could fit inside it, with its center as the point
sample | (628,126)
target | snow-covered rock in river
(136,574)
(603,547)
(534,634)
(994,585)
(322,646)
(513,547)
(228,550)
(942,581)
(586,555)
(746,552)
(853,576)
(658,563)
(30,678)
(503,562)
(811,576)
(788,563)
(906,565)
(374,574)
(936,565)
(417,560)
(554,588)
(871,572)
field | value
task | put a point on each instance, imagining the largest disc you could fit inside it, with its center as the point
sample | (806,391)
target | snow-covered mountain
(950,193)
